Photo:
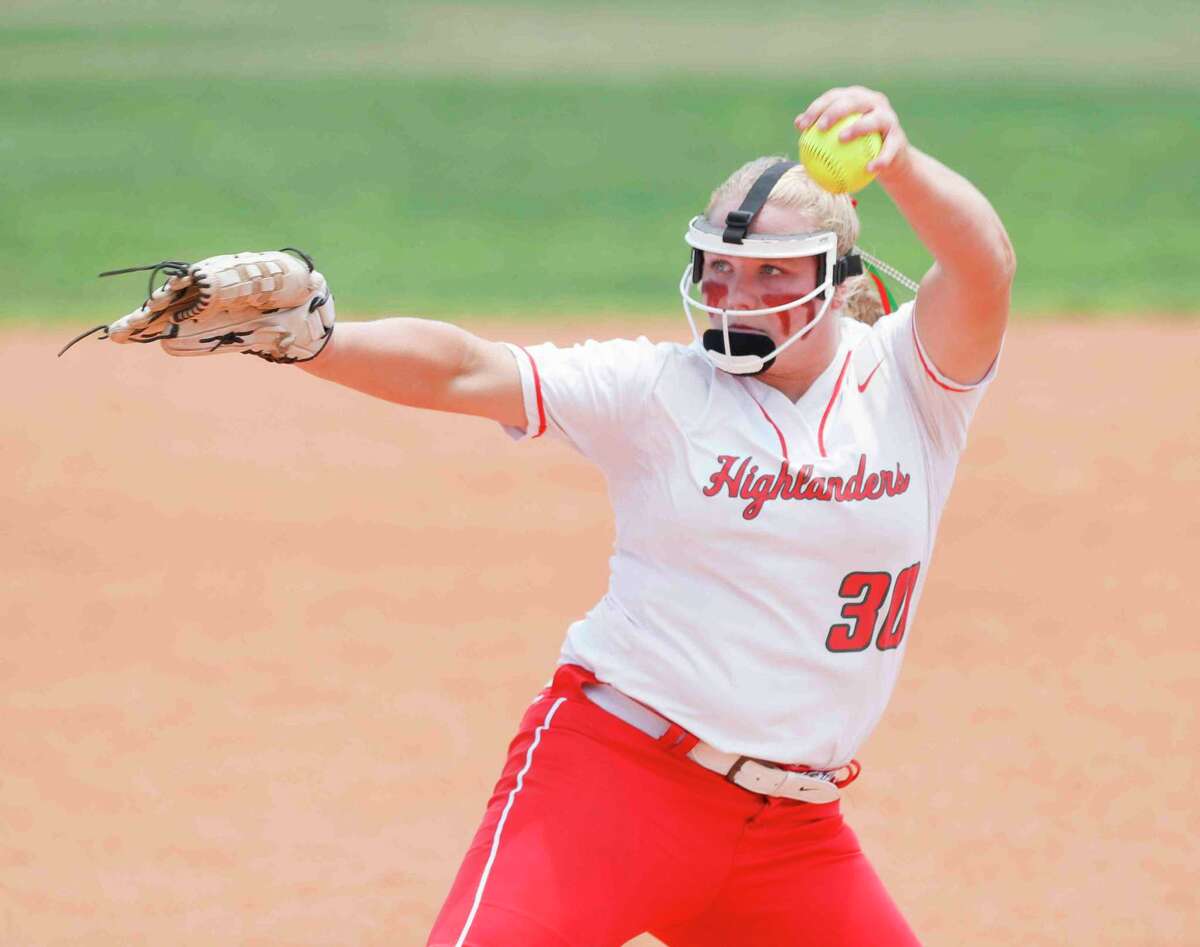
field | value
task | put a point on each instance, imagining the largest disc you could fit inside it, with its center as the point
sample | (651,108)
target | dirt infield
(266,639)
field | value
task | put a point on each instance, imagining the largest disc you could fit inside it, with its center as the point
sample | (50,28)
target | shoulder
(883,332)
(889,338)
(628,353)
(590,383)
(686,379)
(943,406)
(902,337)
(619,363)
(856,333)
(644,360)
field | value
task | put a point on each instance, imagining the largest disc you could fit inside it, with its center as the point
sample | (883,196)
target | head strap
(849,265)
(737,222)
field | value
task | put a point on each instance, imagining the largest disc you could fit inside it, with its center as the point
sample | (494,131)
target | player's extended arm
(424,364)
(276,305)
(962,306)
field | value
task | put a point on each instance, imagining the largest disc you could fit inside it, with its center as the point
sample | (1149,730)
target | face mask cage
(703,237)
(736,240)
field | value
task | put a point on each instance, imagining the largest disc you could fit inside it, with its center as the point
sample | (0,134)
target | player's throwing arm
(964,298)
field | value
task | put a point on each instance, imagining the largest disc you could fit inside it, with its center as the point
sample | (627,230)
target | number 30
(868,591)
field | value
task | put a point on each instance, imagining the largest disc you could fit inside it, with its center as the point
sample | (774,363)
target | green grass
(520,185)
(158,40)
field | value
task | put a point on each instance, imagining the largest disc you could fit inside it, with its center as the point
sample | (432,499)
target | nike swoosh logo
(863,386)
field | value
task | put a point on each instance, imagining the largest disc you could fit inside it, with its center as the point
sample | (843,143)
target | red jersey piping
(779,433)
(924,364)
(837,386)
(537,386)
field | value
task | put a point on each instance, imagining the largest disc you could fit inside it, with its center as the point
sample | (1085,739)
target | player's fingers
(818,106)
(882,120)
(892,144)
(847,105)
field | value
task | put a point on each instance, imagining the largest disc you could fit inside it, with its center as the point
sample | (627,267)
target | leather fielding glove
(268,303)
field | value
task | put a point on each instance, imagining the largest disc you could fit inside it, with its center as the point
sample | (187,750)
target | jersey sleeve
(595,396)
(944,406)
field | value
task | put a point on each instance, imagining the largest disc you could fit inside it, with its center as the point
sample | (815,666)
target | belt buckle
(812,789)
(741,761)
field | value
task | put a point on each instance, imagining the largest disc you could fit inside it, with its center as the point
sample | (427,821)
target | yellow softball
(839,166)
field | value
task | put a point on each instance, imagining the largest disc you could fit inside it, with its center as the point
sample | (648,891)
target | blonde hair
(796,191)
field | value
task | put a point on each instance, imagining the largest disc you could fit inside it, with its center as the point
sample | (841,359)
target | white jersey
(769,555)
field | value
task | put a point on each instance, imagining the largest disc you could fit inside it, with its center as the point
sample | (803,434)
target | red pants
(596,833)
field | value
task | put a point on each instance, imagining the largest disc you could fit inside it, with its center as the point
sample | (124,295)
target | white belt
(755,775)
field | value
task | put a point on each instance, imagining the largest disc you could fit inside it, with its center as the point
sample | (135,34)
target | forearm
(954,221)
(407,361)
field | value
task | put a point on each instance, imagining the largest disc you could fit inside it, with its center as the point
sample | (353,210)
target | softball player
(777,486)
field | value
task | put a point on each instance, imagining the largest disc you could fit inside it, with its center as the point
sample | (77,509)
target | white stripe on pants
(537,738)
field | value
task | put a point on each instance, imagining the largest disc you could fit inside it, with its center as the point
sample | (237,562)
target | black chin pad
(741,343)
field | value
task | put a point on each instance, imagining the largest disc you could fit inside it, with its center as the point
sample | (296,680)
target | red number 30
(867,592)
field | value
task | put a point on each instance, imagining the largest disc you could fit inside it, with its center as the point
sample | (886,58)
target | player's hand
(877,116)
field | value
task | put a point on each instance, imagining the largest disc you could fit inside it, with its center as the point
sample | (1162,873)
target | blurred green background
(477,158)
